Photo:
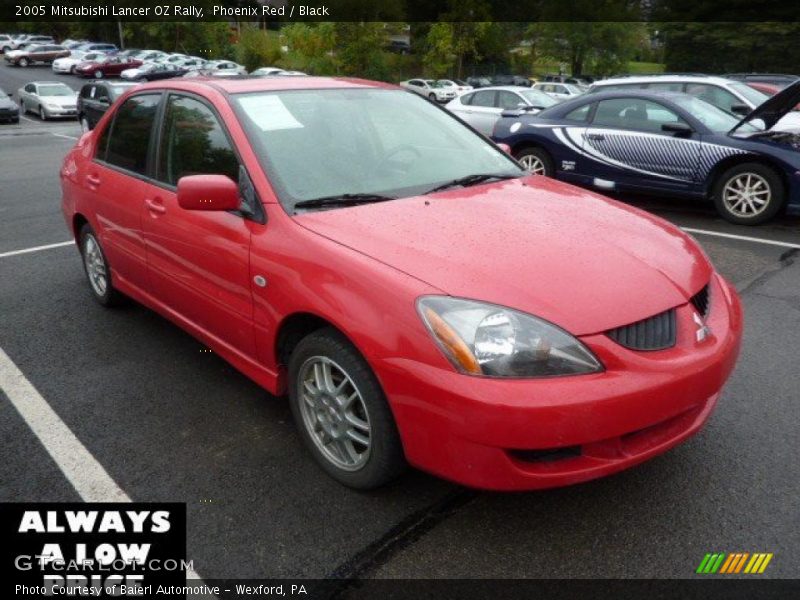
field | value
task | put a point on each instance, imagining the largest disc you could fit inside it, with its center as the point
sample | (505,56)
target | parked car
(94,100)
(191,63)
(399,46)
(71,44)
(35,54)
(266,72)
(458,86)
(110,49)
(363,251)
(515,80)
(479,82)
(582,80)
(482,108)
(107,66)
(731,96)
(48,99)
(9,111)
(129,53)
(26,40)
(669,143)
(224,65)
(6,42)
(429,88)
(780,80)
(152,72)
(559,91)
(68,64)
(291,74)
(150,55)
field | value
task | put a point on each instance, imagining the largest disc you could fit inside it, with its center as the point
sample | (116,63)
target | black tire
(72,69)
(98,74)
(42,113)
(111,297)
(539,154)
(385,460)
(771,179)
(87,127)
(432,97)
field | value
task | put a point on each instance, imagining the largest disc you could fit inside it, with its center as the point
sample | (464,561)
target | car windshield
(752,95)
(332,142)
(572,88)
(55,90)
(537,98)
(716,119)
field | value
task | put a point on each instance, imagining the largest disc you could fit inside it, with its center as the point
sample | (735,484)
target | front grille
(656,333)
(549,455)
(701,301)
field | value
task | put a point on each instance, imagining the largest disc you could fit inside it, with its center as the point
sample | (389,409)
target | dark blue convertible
(666,143)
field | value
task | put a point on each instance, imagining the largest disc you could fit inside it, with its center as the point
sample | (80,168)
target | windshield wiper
(343,200)
(469,180)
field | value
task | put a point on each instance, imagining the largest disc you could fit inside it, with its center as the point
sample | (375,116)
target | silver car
(48,99)
(482,108)
(560,91)
(430,88)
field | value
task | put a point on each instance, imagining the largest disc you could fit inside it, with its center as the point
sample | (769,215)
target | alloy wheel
(95,266)
(747,194)
(334,413)
(533,164)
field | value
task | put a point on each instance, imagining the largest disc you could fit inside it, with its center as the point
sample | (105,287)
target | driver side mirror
(740,109)
(208,192)
(677,128)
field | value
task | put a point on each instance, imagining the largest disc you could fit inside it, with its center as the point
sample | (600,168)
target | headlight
(52,106)
(494,341)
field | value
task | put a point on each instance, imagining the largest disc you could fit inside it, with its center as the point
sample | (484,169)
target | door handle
(155,205)
(595,136)
(93,180)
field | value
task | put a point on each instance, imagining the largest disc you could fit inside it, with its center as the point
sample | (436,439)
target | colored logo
(734,563)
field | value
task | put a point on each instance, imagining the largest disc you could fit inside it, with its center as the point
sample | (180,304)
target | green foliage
(257,48)
(311,48)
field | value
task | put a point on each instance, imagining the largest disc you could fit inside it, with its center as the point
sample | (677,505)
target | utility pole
(121,37)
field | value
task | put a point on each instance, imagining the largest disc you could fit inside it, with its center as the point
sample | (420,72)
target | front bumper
(532,434)
(62,112)
(61,68)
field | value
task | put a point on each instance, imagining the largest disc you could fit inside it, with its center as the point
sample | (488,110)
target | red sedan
(106,66)
(417,294)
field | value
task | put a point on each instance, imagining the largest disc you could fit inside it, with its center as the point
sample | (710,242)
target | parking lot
(167,421)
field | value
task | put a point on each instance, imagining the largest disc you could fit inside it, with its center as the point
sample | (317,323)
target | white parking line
(744,238)
(35,249)
(28,119)
(61,135)
(79,466)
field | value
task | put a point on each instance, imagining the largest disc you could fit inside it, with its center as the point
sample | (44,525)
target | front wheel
(341,412)
(85,127)
(98,74)
(536,161)
(749,194)
(97,270)
(23,62)
(42,113)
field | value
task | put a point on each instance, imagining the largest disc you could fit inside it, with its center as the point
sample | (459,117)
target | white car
(732,96)
(429,88)
(482,108)
(68,63)
(267,72)
(559,91)
(190,63)
(48,99)
(224,66)
(5,42)
(291,74)
(148,56)
(27,40)
(459,88)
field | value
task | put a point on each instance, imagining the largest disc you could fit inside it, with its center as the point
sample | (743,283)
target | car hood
(60,100)
(6,102)
(774,109)
(564,254)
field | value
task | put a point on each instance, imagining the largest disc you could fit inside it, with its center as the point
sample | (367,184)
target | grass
(645,68)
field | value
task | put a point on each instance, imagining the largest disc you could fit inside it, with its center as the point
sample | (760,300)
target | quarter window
(194,143)
(507,100)
(483,98)
(131,131)
(579,114)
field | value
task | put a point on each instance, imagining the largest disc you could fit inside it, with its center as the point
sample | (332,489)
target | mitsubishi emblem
(703,331)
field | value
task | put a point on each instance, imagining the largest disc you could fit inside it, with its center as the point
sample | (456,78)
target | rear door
(198,261)
(628,147)
(483,112)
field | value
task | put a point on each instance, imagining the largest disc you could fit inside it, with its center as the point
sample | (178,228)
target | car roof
(264,84)
(665,78)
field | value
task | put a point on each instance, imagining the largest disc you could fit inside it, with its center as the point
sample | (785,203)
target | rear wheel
(85,127)
(23,62)
(98,273)
(536,160)
(749,194)
(432,97)
(98,74)
(342,413)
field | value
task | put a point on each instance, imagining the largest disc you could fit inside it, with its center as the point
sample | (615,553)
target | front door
(198,261)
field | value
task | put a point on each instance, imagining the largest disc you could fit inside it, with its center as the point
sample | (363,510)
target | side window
(467,99)
(507,100)
(664,86)
(579,114)
(130,134)
(633,113)
(87,91)
(483,98)
(101,92)
(713,94)
(560,89)
(193,143)
(30,88)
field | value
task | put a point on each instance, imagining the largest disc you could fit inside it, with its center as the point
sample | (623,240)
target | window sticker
(269,113)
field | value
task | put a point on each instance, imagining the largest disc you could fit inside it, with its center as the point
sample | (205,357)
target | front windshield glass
(716,119)
(537,98)
(753,96)
(330,142)
(55,90)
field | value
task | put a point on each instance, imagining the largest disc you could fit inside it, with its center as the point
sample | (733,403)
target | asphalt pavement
(169,422)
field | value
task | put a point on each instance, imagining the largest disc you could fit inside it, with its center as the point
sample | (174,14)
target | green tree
(257,48)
